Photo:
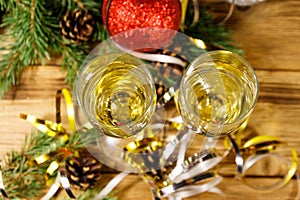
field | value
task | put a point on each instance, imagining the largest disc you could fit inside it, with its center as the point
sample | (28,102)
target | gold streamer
(55,129)
(184,5)
(69,104)
(46,126)
(264,145)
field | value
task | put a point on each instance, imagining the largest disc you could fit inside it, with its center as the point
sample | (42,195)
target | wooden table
(270,35)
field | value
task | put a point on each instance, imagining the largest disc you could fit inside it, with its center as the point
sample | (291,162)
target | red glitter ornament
(126,15)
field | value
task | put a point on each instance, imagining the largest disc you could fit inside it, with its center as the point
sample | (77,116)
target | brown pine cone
(77,26)
(83,170)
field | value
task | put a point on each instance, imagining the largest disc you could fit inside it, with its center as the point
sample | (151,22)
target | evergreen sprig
(21,176)
(215,36)
(31,35)
(25,179)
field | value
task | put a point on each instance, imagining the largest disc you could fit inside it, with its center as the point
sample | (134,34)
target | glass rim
(79,94)
(249,67)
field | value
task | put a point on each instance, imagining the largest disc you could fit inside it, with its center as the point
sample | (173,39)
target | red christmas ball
(126,15)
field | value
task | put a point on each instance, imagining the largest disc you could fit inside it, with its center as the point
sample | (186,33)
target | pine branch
(23,177)
(32,34)
(26,42)
(215,36)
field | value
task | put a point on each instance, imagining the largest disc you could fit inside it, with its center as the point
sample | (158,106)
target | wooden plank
(270,35)
(134,188)
(38,82)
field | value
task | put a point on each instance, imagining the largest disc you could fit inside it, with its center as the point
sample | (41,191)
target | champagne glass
(217,93)
(116,94)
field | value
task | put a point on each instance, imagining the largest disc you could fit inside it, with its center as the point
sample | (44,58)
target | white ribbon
(111,185)
(192,190)
(152,57)
(2,188)
(61,179)
(53,189)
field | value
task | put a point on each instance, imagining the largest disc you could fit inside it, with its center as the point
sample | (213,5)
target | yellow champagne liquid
(215,102)
(124,100)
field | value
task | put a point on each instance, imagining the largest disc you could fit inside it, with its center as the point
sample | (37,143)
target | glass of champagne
(117,94)
(218,91)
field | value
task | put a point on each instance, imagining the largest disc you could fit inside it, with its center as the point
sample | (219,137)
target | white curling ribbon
(171,146)
(2,188)
(153,57)
(251,160)
(111,185)
(1,181)
(53,189)
(157,126)
(182,150)
(180,159)
(177,119)
(192,190)
(61,180)
(197,169)
(64,181)
(181,172)
(245,2)
(158,58)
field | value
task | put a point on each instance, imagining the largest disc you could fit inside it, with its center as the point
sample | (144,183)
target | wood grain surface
(269,33)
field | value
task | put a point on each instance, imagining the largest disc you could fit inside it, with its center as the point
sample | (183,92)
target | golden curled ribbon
(55,129)
(184,5)
(257,148)
(196,41)
(70,109)
(260,147)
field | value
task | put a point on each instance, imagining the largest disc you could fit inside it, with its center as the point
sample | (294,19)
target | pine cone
(83,170)
(77,26)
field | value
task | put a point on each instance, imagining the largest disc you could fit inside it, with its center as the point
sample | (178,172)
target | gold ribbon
(55,129)
(262,146)
(70,109)
(256,148)
(184,5)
